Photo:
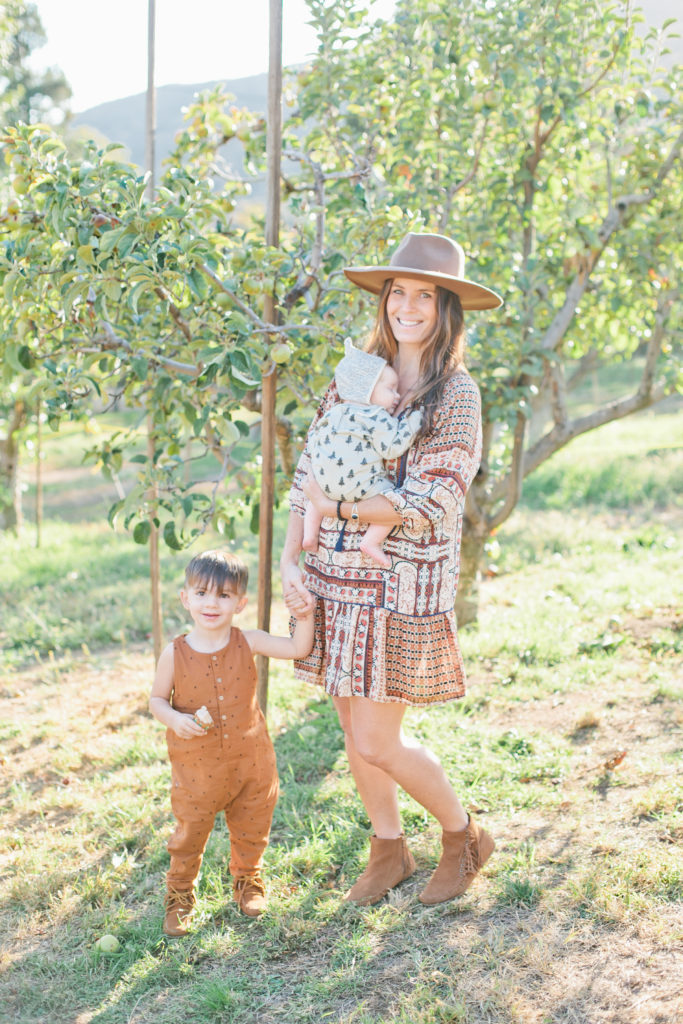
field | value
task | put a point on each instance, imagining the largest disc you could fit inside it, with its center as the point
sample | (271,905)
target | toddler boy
(228,765)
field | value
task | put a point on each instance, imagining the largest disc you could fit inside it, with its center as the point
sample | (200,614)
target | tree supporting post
(150,132)
(39,474)
(269,382)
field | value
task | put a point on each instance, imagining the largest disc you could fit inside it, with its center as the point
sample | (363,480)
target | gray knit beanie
(357,373)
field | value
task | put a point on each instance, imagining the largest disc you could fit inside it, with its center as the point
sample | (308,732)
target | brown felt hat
(432,258)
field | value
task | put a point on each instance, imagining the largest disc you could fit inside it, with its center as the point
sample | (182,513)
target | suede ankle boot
(390,863)
(250,894)
(179,906)
(464,855)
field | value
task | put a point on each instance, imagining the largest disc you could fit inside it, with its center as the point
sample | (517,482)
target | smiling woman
(385,634)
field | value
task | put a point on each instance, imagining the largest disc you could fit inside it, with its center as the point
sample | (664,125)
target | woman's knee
(375,751)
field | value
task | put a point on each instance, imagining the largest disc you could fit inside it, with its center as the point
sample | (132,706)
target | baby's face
(385,391)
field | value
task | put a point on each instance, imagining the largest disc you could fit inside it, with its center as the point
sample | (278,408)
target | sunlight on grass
(566,748)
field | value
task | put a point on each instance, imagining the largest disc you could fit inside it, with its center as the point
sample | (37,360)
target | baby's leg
(312,521)
(371,544)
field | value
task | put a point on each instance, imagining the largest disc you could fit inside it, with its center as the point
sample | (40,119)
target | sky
(102,46)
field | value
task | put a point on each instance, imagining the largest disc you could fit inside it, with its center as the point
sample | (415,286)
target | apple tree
(546,138)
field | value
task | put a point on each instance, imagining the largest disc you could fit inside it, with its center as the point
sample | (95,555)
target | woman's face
(411,309)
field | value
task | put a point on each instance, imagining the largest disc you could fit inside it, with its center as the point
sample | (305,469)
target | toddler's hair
(212,570)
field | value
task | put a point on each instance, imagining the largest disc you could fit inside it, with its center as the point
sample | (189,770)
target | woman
(386,638)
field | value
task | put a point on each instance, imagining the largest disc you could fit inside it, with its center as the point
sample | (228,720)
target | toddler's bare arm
(296,646)
(160,700)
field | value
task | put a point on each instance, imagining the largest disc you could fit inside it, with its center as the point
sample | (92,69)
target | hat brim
(472,296)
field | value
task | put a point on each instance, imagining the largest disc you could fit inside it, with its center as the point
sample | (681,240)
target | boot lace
(179,898)
(250,885)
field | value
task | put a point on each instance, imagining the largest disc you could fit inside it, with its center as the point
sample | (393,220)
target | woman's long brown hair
(442,355)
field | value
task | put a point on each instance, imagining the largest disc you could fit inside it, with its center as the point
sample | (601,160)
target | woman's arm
(370,510)
(442,467)
(298,598)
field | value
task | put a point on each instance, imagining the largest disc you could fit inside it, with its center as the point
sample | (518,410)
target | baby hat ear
(357,373)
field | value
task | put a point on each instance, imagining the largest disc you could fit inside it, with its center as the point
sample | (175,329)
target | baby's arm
(392,437)
(297,646)
(160,700)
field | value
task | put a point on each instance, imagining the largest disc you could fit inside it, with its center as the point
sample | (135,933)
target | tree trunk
(471,562)
(10,489)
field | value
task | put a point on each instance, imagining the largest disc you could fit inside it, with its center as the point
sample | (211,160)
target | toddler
(221,755)
(350,443)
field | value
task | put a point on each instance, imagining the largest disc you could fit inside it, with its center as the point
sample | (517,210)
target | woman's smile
(411,309)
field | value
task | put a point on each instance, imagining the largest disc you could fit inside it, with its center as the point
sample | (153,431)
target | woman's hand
(298,598)
(317,497)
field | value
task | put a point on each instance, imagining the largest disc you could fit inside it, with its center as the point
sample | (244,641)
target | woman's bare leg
(377,790)
(382,757)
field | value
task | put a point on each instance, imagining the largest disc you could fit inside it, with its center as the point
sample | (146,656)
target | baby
(349,445)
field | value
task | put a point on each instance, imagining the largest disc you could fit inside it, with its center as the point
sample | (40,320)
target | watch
(354,512)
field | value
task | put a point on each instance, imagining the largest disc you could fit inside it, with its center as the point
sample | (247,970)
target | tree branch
(305,280)
(512,484)
(112,340)
(614,219)
(175,312)
(454,189)
(244,307)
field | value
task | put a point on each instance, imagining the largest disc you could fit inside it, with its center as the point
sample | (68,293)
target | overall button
(220,696)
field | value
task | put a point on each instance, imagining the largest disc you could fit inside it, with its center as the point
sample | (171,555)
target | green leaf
(170,537)
(140,367)
(255,516)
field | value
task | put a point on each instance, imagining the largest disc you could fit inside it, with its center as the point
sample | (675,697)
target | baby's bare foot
(376,554)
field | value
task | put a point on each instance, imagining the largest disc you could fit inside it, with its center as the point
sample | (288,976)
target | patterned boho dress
(390,634)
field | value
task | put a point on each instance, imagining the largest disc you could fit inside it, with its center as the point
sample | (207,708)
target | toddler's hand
(298,598)
(185,727)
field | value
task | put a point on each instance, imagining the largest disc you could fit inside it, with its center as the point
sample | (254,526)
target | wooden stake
(269,380)
(150,134)
(39,475)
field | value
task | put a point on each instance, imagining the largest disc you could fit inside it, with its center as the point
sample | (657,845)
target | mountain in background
(124,120)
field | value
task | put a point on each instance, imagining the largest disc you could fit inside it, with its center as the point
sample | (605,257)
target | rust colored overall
(231,769)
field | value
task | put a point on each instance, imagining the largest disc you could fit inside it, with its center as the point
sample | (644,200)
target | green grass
(575,659)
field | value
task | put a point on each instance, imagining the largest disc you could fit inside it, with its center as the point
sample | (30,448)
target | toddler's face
(385,391)
(211,608)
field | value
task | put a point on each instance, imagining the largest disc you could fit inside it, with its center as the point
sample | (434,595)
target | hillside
(123,120)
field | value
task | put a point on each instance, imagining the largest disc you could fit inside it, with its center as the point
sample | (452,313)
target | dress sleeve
(443,463)
(297,500)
